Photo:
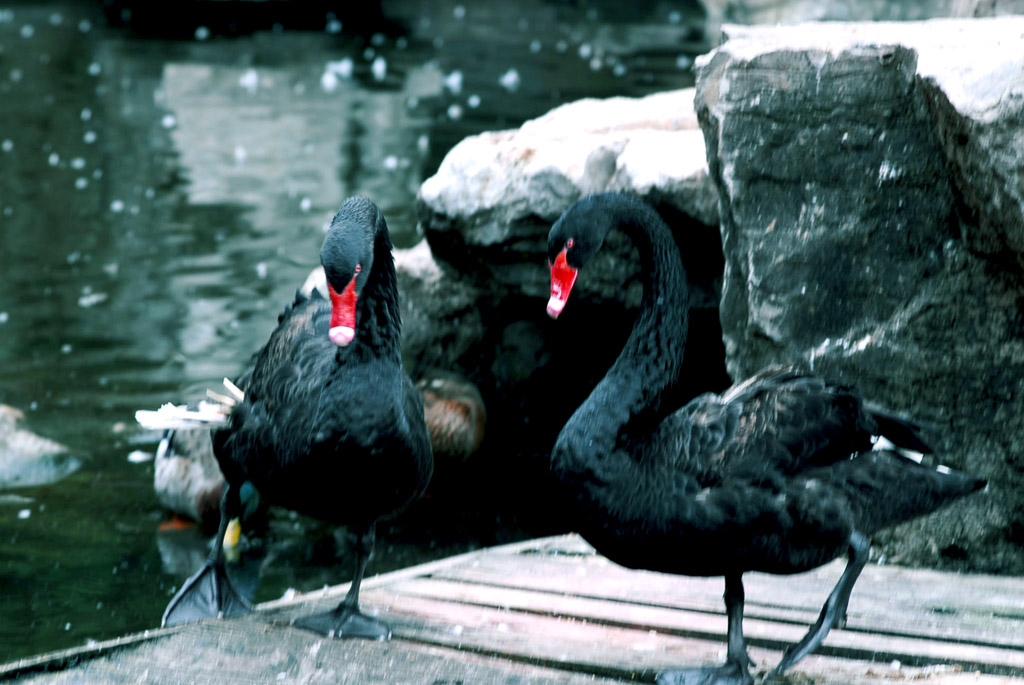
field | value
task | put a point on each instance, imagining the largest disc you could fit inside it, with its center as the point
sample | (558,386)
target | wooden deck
(552,611)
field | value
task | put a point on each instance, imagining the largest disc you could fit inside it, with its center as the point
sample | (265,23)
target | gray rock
(486,214)
(871,185)
(786,12)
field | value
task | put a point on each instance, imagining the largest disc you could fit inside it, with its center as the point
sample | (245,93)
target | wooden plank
(886,600)
(226,652)
(581,645)
(552,611)
(849,644)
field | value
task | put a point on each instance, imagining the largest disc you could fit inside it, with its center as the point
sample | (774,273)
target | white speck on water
(561,46)
(16,75)
(24,514)
(895,664)
(169,121)
(391,162)
(459,11)
(4,317)
(423,144)
(282,675)
(684,62)
(67,626)
(86,114)
(92,299)
(261,270)
(333,25)
(585,51)
(305,204)
(78,163)
(619,69)
(340,69)
(53,159)
(66,348)
(111,269)
(379,68)
(97,174)
(94,69)
(473,101)
(456,630)
(250,80)
(7,145)
(510,80)
(117,206)
(453,82)
(56,19)
(84,26)
(675,16)
(240,154)
(535,46)
(202,33)
(454,112)
(595,64)
(27,31)
(89,137)
(81,183)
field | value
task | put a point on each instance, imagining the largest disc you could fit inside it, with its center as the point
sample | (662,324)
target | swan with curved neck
(330,425)
(777,474)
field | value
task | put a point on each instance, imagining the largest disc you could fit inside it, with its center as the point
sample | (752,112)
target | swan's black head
(575,238)
(347,256)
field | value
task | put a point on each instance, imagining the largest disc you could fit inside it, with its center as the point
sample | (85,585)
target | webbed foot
(728,674)
(346,622)
(207,594)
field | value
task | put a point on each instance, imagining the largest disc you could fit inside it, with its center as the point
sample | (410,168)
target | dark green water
(161,200)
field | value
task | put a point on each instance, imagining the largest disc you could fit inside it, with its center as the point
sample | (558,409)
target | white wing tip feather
(883,443)
(180,416)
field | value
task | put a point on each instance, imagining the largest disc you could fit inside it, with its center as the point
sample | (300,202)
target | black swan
(330,425)
(776,475)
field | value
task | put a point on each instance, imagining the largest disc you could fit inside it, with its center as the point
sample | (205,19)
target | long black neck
(627,404)
(378,321)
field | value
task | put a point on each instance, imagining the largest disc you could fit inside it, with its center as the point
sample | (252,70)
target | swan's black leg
(345,620)
(209,593)
(833,613)
(736,670)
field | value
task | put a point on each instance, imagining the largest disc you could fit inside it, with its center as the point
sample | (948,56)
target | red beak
(343,314)
(562,278)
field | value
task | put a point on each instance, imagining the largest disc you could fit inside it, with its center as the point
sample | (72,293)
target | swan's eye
(359,267)
(569,243)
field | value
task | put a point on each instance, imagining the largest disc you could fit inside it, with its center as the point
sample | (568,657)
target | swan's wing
(778,421)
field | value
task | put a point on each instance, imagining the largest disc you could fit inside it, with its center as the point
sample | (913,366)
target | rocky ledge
(852,199)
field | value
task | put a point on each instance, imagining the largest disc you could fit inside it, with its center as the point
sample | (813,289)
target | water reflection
(161,200)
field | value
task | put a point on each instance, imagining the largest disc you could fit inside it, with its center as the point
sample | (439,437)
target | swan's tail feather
(885,488)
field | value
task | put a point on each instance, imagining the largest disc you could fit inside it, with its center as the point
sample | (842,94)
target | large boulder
(486,215)
(871,179)
(774,12)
